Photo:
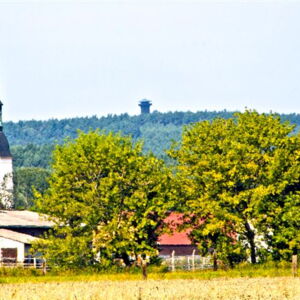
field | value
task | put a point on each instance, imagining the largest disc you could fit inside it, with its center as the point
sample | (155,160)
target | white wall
(6,170)
(7,243)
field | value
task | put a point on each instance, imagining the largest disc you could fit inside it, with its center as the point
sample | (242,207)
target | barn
(14,245)
(18,229)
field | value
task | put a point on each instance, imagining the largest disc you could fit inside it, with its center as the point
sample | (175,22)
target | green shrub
(19,271)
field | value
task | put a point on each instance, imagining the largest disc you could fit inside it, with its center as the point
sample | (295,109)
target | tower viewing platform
(145,106)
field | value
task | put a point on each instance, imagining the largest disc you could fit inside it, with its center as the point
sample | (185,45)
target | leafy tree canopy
(26,180)
(106,197)
(240,178)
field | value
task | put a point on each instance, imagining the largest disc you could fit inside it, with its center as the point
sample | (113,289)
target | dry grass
(279,288)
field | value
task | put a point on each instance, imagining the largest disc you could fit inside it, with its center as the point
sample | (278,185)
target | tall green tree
(26,180)
(240,178)
(106,198)
(32,155)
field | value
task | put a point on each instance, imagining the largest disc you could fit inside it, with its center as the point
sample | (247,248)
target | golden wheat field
(241,288)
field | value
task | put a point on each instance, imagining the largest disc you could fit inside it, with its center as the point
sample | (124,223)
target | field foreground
(279,288)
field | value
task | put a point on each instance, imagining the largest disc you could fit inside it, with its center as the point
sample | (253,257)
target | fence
(188,262)
(36,263)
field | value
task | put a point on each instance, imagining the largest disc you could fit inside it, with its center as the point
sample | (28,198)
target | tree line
(236,181)
(32,142)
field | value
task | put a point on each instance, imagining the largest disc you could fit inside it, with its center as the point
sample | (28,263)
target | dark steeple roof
(4,146)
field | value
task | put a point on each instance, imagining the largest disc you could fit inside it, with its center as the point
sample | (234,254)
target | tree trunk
(215,260)
(144,271)
(250,236)
(294,265)
(142,262)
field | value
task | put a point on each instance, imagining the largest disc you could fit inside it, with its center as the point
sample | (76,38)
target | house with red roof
(177,240)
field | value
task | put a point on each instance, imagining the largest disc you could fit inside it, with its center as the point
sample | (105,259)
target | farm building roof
(23,218)
(10,219)
(16,236)
(176,237)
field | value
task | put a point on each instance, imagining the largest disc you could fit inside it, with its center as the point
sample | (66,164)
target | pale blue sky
(64,59)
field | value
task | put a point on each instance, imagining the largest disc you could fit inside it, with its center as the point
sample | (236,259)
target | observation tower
(145,106)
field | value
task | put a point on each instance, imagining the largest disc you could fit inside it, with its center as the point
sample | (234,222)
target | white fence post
(193,260)
(44,266)
(294,265)
(173,260)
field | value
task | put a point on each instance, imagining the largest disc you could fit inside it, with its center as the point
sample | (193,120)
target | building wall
(6,168)
(180,250)
(7,243)
(6,182)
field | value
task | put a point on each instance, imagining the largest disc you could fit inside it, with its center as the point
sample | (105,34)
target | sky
(62,59)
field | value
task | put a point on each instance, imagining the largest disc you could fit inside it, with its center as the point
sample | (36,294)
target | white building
(14,246)
(6,169)
(18,230)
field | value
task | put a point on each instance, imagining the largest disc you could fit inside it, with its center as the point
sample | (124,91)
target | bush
(19,271)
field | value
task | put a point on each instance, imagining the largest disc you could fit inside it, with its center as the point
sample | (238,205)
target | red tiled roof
(177,237)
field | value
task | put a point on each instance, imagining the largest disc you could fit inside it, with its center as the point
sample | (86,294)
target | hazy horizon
(77,59)
(137,114)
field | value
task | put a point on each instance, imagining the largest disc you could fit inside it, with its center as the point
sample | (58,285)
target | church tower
(6,169)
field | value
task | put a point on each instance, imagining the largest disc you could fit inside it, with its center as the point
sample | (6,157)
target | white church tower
(6,169)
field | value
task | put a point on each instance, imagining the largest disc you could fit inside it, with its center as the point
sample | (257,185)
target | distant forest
(32,142)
